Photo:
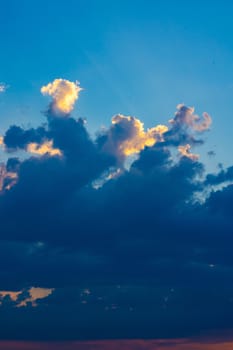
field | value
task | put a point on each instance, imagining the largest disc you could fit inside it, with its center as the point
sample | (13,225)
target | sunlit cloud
(42,149)
(127,136)
(134,344)
(64,93)
(110,175)
(1,140)
(13,295)
(138,138)
(185,117)
(36,293)
(22,298)
(185,152)
(7,178)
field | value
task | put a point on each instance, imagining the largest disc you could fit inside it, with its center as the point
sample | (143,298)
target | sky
(116,175)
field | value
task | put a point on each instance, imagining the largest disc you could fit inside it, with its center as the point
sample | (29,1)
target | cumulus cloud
(64,93)
(77,219)
(17,137)
(187,127)
(127,136)
(185,117)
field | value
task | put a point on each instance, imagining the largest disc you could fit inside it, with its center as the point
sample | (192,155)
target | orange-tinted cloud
(185,152)
(64,94)
(9,176)
(42,149)
(127,135)
(35,293)
(185,117)
(12,295)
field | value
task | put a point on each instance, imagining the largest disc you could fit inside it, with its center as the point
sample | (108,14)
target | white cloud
(3,87)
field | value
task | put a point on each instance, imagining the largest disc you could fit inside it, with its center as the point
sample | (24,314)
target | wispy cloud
(3,87)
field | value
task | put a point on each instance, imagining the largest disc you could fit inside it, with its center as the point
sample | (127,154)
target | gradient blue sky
(134,57)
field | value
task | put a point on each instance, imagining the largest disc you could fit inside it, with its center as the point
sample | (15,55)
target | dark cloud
(225,175)
(18,138)
(147,243)
(186,127)
(211,153)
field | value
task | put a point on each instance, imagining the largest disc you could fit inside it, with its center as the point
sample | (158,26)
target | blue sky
(139,58)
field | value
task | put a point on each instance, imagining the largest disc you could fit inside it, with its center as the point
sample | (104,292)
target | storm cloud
(123,258)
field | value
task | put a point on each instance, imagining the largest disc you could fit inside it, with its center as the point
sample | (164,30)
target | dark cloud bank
(145,254)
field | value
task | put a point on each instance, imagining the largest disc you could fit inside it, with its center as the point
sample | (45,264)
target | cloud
(186,127)
(137,237)
(64,93)
(26,297)
(3,87)
(211,153)
(223,176)
(17,138)
(127,136)
(185,117)
(185,152)
(44,148)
